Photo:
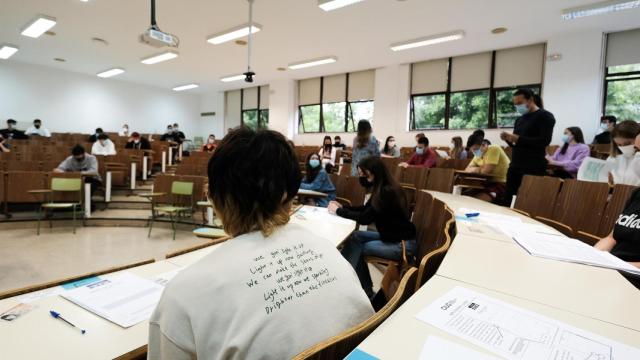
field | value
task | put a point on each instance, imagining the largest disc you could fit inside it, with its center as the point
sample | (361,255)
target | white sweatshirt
(107,149)
(258,298)
(625,170)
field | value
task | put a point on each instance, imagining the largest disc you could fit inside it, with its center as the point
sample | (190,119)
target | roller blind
(623,48)
(309,91)
(362,85)
(264,97)
(334,88)
(471,72)
(232,109)
(519,66)
(250,98)
(429,76)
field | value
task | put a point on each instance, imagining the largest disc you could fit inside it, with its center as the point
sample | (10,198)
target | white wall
(212,102)
(71,102)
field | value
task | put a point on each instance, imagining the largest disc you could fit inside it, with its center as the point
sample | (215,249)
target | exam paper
(437,348)
(571,250)
(124,299)
(488,217)
(320,214)
(595,170)
(515,333)
(164,278)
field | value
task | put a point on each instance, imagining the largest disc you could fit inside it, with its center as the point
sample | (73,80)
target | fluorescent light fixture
(39,26)
(6,51)
(429,40)
(314,62)
(110,72)
(599,8)
(185,87)
(231,78)
(328,5)
(232,34)
(154,59)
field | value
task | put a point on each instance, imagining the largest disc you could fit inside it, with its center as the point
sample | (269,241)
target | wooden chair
(179,189)
(71,186)
(537,195)
(339,346)
(440,180)
(391,164)
(431,262)
(340,182)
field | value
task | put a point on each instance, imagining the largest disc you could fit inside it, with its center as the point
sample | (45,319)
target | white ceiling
(293,30)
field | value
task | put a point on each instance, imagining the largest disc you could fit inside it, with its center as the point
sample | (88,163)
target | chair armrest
(343,201)
(522,212)
(565,229)
(43,191)
(152,195)
(587,238)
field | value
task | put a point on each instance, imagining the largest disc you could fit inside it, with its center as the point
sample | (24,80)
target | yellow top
(494,156)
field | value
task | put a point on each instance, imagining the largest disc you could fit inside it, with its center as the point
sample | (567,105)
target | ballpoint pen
(57,315)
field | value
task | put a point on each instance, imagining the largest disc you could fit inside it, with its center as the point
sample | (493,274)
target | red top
(428,159)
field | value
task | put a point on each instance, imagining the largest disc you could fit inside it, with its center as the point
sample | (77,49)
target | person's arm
(572,165)
(376,148)
(473,166)
(30,131)
(162,347)
(45,132)
(93,167)
(3,148)
(606,243)
(362,215)
(491,160)
(316,184)
(413,160)
(431,159)
(544,139)
(111,148)
(64,166)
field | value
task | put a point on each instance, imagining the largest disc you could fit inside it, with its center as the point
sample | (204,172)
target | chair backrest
(441,179)
(66,184)
(581,205)
(339,346)
(391,164)
(537,195)
(616,204)
(429,264)
(182,188)
(430,218)
(354,191)
(18,184)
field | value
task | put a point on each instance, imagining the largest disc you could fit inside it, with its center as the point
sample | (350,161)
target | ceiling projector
(158,38)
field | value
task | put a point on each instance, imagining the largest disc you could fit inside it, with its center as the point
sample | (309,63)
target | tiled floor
(27,259)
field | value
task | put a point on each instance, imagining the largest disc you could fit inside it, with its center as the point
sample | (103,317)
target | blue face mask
(314,163)
(477,153)
(419,151)
(522,109)
(566,138)
(604,126)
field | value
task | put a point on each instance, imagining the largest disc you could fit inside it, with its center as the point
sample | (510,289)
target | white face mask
(392,143)
(211,141)
(627,150)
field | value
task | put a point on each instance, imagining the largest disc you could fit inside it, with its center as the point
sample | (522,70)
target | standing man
(607,123)
(38,130)
(532,134)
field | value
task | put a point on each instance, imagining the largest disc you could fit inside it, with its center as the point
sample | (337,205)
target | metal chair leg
(173,225)
(151,224)
(74,220)
(39,218)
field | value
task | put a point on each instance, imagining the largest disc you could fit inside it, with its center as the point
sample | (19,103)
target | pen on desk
(470,215)
(56,315)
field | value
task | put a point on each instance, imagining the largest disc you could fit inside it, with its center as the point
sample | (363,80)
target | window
(250,119)
(335,103)
(247,107)
(473,91)
(264,118)
(622,76)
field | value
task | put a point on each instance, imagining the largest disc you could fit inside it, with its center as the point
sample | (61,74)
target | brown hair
(627,129)
(253,178)
(364,134)
(458,147)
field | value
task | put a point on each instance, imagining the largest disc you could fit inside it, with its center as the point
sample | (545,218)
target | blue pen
(471,215)
(56,315)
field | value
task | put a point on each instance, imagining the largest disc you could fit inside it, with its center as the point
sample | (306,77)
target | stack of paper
(571,250)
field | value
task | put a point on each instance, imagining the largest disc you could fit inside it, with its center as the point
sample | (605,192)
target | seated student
(169,134)
(124,131)
(230,304)
(390,149)
(210,146)
(607,123)
(37,129)
(93,138)
(624,162)
(4,147)
(317,179)
(179,135)
(570,155)
(328,154)
(387,209)
(457,152)
(423,157)
(337,143)
(11,132)
(103,146)
(79,161)
(491,160)
(138,142)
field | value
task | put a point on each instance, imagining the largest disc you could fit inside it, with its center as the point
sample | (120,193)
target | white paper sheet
(164,278)
(124,299)
(513,229)
(488,217)
(313,213)
(571,250)
(443,154)
(41,294)
(437,348)
(595,170)
(515,333)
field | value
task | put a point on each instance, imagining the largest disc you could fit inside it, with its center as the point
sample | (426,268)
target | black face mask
(365,182)
(37,126)
(80,159)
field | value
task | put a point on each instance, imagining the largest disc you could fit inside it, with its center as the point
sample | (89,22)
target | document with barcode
(123,299)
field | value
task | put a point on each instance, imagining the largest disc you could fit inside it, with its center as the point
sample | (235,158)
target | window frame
(494,95)
(258,110)
(615,77)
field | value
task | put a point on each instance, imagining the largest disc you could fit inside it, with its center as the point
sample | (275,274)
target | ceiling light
(599,8)
(6,51)
(185,87)
(231,78)
(39,26)
(328,5)
(499,30)
(110,72)
(232,34)
(315,62)
(154,59)
(429,40)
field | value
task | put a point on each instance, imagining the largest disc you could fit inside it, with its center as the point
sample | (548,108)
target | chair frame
(176,213)
(49,194)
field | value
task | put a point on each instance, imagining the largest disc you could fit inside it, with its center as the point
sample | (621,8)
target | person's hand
(403,165)
(333,207)
(504,136)
(56,170)
(474,170)
(611,182)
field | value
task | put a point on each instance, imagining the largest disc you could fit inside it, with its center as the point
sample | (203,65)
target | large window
(247,107)
(473,91)
(622,76)
(335,103)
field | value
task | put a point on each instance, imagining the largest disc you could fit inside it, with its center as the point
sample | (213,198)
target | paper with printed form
(515,333)
(437,348)
(571,250)
(124,299)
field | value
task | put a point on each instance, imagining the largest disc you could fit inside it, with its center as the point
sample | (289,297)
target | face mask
(419,151)
(314,163)
(522,109)
(211,141)
(136,141)
(175,129)
(10,126)
(477,153)
(627,150)
(80,159)
(365,182)
(604,126)
(566,138)
(337,142)
(392,143)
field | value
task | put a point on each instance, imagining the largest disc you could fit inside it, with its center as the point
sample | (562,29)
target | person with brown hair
(624,160)
(458,152)
(257,294)
(365,144)
(570,155)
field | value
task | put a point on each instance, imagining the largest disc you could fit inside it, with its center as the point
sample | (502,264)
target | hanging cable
(249,74)
(154,25)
